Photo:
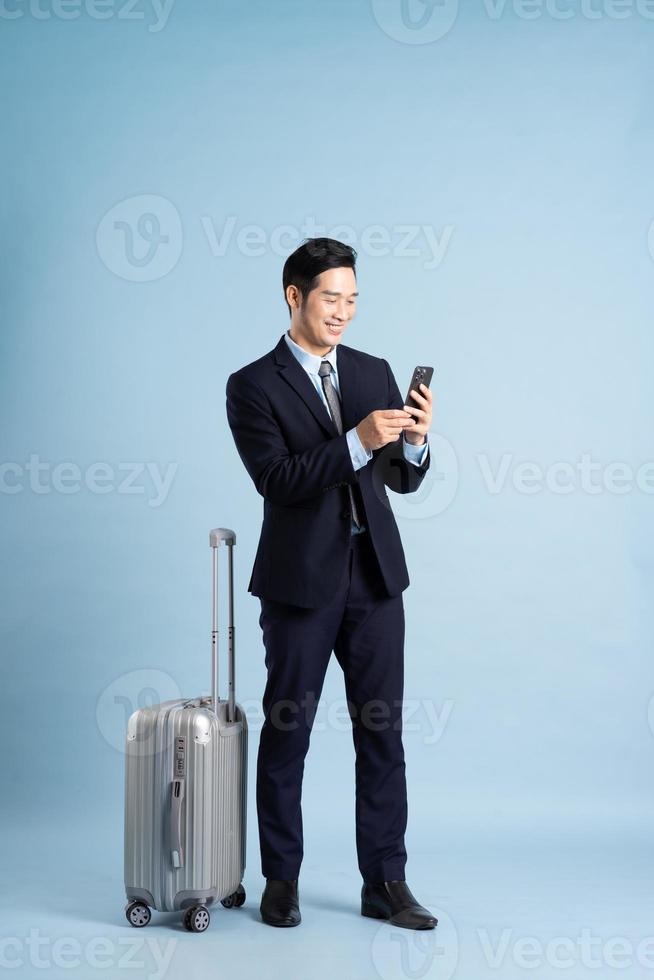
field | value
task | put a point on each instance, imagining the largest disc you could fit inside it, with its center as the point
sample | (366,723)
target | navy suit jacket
(301,467)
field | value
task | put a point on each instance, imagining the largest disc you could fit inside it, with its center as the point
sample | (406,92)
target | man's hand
(383,426)
(416,434)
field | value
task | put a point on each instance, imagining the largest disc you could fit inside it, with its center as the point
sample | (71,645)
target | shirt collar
(310,362)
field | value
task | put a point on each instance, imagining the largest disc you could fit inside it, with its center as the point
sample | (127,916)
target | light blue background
(525,145)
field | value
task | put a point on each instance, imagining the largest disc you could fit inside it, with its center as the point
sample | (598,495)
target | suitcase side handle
(176,800)
(216,537)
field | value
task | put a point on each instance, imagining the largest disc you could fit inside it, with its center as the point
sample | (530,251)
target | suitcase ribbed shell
(211,760)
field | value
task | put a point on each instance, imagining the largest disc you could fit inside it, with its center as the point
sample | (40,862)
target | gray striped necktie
(334,403)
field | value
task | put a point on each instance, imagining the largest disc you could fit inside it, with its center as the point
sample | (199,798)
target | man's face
(324,314)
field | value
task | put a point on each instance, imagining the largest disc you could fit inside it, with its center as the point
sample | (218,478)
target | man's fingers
(416,411)
(393,413)
(424,395)
(396,430)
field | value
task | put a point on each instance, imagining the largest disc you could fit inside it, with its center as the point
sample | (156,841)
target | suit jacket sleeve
(279,476)
(397,472)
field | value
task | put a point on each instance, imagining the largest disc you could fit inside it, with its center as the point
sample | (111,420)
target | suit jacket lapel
(294,374)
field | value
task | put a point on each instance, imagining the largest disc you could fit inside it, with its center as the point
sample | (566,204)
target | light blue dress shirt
(360,456)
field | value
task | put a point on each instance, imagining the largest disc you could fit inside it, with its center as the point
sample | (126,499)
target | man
(322,430)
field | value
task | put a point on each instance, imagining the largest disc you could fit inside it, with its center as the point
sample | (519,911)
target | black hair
(314,255)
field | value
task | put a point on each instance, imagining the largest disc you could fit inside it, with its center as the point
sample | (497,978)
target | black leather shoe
(392,900)
(279,903)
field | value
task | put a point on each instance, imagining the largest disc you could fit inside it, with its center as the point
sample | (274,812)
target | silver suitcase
(185,793)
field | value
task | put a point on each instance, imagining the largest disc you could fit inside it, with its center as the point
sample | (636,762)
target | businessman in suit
(322,430)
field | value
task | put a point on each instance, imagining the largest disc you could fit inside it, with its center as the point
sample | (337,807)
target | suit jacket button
(345,514)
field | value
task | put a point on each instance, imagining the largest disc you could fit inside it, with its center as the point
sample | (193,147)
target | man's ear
(293,297)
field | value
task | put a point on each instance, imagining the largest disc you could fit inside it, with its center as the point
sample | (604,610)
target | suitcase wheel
(138,914)
(197,919)
(235,900)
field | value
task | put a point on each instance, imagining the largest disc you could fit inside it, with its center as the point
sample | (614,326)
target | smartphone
(420,374)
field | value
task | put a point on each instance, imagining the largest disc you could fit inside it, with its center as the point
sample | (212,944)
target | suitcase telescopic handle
(218,536)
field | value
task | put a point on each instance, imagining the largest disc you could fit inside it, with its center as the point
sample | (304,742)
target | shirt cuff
(415,454)
(358,453)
